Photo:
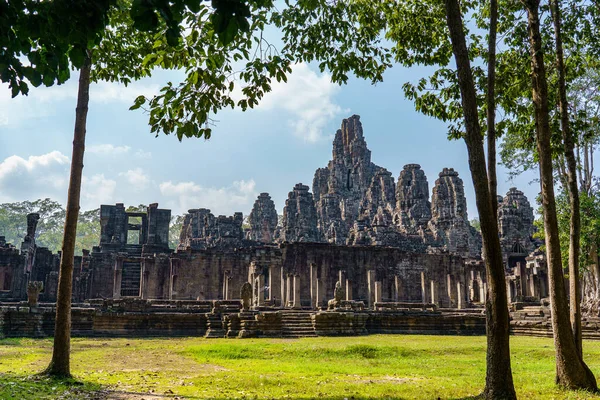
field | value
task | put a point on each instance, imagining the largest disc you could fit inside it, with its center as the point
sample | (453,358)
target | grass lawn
(368,367)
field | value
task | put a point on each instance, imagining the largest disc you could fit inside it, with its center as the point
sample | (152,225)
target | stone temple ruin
(370,243)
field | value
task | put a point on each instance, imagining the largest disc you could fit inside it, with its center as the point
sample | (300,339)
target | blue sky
(268,149)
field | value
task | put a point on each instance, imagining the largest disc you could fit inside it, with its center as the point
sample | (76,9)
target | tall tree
(205,55)
(61,353)
(569,153)
(425,33)
(571,371)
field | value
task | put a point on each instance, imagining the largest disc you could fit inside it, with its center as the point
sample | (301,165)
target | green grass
(369,367)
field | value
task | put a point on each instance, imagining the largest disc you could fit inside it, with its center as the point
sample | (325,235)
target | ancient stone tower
(263,219)
(413,208)
(515,223)
(449,220)
(299,217)
(340,187)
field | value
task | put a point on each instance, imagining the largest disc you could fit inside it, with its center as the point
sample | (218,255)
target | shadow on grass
(34,387)
(13,386)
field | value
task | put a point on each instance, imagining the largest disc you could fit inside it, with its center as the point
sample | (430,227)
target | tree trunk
(571,371)
(575,218)
(491,106)
(60,363)
(498,382)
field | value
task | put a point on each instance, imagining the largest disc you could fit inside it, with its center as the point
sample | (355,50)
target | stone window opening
(134,227)
(349,180)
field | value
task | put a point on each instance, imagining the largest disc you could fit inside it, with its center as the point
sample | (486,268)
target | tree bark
(575,217)
(571,371)
(498,382)
(60,363)
(491,106)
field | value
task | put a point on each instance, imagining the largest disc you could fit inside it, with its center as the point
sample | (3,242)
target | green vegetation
(371,367)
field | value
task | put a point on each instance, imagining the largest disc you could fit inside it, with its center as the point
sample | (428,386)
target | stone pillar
(270,283)
(342,277)
(434,293)
(283,287)
(397,288)
(482,291)
(143,281)
(348,290)
(378,289)
(452,292)
(460,301)
(484,297)
(297,303)
(370,288)
(118,275)
(424,296)
(260,290)
(314,293)
(288,291)
(318,293)
(225,287)
(533,286)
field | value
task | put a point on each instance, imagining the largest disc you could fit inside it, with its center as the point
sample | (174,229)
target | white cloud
(47,175)
(107,92)
(136,178)
(107,149)
(308,97)
(35,177)
(144,155)
(182,196)
(97,190)
(42,101)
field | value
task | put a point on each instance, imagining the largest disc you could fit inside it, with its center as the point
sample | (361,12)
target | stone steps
(296,324)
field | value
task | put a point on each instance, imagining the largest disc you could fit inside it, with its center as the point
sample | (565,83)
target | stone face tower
(344,181)
(300,216)
(413,208)
(449,220)
(380,198)
(515,223)
(263,219)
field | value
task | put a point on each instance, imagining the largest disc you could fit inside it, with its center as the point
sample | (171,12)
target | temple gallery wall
(361,238)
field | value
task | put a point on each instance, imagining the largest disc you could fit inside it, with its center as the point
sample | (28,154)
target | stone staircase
(296,324)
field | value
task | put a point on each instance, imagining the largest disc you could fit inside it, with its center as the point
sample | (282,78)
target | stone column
(143,281)
(314,293)
(509,291)
(434,293)
(118,275)
(342,277)
(318,293)
(225,291)
(378,289)
(283,287)
(424,291)
(397,288)
(370,288)
(481,290)
(297,303)
(484,294)
(452,292)
(288,291)
(460,302)
(348,290)
(260,283)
